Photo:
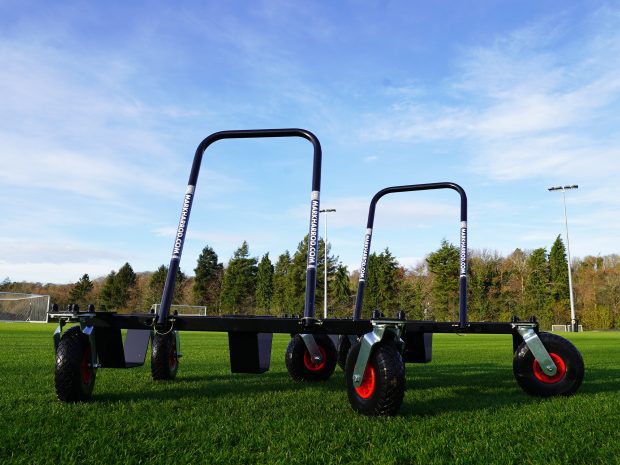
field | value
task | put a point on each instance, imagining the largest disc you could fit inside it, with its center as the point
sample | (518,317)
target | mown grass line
(464,407)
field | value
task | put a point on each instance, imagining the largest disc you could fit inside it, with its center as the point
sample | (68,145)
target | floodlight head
(562,188)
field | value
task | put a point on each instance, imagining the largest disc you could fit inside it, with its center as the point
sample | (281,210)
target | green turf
(464,407)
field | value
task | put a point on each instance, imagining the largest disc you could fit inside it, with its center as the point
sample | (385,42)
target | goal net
(16,306)
(184,309)
(564,328)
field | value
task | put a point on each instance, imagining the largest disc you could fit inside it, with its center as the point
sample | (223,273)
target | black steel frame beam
(266,324)
(357,312)
(188,198)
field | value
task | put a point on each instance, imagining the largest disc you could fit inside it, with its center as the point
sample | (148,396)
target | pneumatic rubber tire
(164,357)
(383,384)
(74,376)
(535,382)
(343,350)
(300,365)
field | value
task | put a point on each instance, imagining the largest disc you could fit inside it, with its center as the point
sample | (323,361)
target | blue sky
(102,105)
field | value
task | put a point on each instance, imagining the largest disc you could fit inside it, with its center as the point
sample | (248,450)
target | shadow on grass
(213,386)
(488,375)
(483,387)
(462,387)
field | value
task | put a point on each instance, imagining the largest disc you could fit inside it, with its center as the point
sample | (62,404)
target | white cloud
(560,156)
(353,211)
(541,237)
(57,273)
(409,262)
(54,261)
(211,237)
(73,123)
(52,252)
(529,104)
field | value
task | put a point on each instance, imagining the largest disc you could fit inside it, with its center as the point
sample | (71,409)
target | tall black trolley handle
(357,313)
(179,239)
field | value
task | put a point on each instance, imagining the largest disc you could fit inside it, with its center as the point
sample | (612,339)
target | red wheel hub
(369,382)
(86,369)
(545,378)
(311,365)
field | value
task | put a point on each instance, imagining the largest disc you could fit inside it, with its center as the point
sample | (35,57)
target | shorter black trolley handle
(179,238)
(357,313)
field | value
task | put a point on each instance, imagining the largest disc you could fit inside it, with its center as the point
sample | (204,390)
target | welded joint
(538,350)
(312,347)
(367,343)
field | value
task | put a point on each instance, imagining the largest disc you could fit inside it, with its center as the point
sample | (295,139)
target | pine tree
(341,291)
(514,275)
(239,281)
(118,288)
(296,288)
(296,285)
(125,284)
(444,265)
(107,295)
(155,288)
(157,282)
(558,271)
(208,280)
(264,283)
(371,298)
(414,292)
(279,302)
(381,290)
(332,263)
(81,290)
(536,296)
(485,286)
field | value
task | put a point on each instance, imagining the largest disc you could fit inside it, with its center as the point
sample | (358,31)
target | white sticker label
(180,236)
(365,251)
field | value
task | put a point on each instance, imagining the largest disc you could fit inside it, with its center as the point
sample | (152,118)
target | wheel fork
(312,347)
(380,329)
(537,348)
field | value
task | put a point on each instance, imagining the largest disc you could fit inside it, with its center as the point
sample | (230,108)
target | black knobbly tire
(383,384)
(74,376)
(300,365)
(164,357)
(343,350)
(535,382)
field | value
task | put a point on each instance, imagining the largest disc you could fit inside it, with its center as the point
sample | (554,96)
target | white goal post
(187,310)
(564,328)
(16,306)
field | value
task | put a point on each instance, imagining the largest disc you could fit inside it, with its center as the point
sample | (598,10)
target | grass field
(464,407)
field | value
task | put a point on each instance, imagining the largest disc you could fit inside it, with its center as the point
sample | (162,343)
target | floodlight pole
(326,211)
(573,320)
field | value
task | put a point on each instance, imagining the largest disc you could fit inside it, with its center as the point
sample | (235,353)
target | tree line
(524,283)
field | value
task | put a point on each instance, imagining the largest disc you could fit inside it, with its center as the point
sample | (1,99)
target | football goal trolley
(372,351)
